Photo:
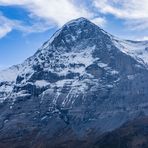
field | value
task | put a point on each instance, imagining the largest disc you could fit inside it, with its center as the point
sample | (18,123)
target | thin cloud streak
(134,13)
(46,14)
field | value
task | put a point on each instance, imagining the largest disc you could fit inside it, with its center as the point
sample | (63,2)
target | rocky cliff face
(81,83)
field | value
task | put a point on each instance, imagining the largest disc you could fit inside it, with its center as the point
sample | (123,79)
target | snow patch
(9,74)
(138,50)
(41,83)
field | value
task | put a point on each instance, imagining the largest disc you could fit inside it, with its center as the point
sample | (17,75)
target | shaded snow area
(67,91)
(75,62)
(61,63)
(9,74)
(7,80)
(5,89)
(138,50)
(41,83)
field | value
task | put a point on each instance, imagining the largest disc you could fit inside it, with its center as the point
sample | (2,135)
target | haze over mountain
(83,82)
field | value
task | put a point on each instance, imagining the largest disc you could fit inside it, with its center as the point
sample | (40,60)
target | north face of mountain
(81,83)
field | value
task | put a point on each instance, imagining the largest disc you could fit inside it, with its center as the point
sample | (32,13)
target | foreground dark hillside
(133,134)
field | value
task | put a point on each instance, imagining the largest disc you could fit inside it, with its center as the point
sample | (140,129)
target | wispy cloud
(59,11)
(48,13)
(144,38)
(3,67)
(133,12)
(6,25)
(4,30)
(100,21)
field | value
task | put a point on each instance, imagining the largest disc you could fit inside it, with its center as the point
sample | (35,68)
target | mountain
(83,82)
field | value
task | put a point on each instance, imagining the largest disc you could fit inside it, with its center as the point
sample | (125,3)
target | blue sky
(26,24)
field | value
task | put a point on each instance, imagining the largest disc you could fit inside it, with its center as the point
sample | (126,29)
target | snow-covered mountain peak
(75,32)
(77,21)
(74,47)
(82,78)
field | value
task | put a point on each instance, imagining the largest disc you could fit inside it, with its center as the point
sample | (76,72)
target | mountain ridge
(69,23)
